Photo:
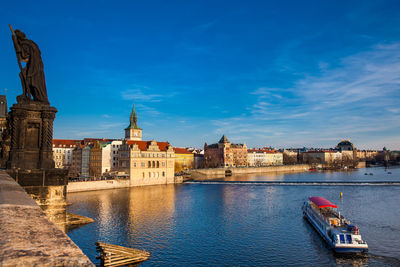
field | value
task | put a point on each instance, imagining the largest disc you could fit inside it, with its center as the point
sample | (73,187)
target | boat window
(342,239)
(348,237)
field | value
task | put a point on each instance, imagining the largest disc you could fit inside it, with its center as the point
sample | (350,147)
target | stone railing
(28,238)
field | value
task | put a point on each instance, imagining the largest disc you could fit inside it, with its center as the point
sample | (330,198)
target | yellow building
(184,159)
(146,162)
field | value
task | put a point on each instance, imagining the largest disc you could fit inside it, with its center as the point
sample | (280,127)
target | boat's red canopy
(322,202)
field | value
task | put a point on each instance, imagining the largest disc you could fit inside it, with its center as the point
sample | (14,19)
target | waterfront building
(322,157)
(146,162)
(290,156)
(256,157)
(198,158)
(62,152)
(114,147)
(95,160)
(80,162)
(349,152)
(345,145)
(184,159)
(104,157)
(225,154)
(264,157)
(367,154)
(274,158)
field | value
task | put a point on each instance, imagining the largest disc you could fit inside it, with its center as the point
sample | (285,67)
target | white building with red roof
(146,162)
(62,152)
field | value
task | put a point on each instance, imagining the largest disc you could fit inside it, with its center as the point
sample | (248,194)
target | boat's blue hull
(350,250)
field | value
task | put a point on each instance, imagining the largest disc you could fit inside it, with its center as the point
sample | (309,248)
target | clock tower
(133,132)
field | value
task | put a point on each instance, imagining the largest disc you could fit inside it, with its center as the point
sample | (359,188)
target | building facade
(146,162)
(264,157)
(184,159)
(225,154)
(80,162)
(62,152)
(322,157)
(95,160)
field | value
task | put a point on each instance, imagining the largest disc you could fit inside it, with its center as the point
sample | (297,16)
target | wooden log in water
(113,255)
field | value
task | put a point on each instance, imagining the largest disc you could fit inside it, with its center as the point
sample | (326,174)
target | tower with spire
(133,132)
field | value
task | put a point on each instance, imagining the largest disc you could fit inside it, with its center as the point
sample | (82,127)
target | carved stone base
(31,133)
(50,177)
(48,188)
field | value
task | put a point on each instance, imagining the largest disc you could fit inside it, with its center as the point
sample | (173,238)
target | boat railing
(320,216)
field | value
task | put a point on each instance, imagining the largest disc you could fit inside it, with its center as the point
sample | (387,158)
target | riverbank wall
(82,186)
(97,185)
(28,238)
(220,172)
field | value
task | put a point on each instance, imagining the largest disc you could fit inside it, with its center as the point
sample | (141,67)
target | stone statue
(32,75)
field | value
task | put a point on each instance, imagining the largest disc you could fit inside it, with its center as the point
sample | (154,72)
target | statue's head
(20,34)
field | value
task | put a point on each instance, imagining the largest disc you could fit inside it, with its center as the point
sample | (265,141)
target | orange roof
(143,145)
(65,143)
(181,150)
(93,140)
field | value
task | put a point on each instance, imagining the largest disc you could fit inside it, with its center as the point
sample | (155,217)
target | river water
(251,223)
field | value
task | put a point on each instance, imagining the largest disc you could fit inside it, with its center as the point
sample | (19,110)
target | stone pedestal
(31,132)
(30,160)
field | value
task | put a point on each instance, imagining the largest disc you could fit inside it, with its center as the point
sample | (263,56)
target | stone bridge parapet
(28,238)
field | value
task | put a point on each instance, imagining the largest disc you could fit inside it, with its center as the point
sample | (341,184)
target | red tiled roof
(92,140)
(66,142)
(143,145)
(181,150)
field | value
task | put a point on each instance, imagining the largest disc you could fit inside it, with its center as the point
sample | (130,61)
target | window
(149,164)
(134,164)
(143,164)
(154,164)
(163,164)
(163,174)
(158,164)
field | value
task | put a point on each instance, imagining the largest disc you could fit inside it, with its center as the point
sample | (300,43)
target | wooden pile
(113,255)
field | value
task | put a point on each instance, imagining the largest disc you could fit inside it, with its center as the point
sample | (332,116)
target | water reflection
(51,200)
(230,224)
(150,210)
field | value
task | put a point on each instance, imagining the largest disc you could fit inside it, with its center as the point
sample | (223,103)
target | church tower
(133,132)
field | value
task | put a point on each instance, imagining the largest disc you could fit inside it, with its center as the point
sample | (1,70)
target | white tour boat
(341,236)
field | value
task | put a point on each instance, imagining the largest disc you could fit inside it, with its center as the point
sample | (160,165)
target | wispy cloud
(357,98)
(148,110)
(143,94)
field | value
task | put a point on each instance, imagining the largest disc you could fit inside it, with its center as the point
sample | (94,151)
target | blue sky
(281,73)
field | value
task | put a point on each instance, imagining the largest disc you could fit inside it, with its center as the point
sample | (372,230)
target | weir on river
(298,183)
